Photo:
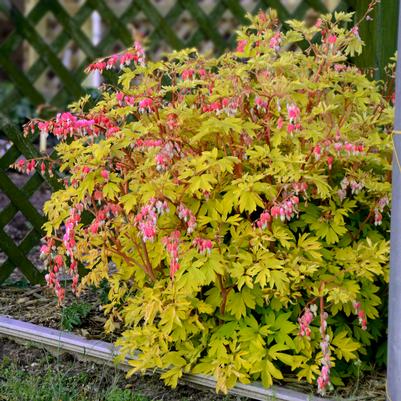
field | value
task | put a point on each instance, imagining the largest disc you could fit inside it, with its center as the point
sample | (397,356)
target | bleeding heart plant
(239,205)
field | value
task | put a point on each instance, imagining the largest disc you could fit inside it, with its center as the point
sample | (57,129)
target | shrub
(237,206)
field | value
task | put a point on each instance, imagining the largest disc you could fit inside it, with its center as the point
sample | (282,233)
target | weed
(74,314)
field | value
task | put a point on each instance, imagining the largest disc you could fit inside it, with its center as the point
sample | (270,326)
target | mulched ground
(38,305)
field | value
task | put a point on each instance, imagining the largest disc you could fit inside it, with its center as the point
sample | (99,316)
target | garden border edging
(98,350)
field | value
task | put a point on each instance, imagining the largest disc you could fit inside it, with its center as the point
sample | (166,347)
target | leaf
(248,201)
(345,346)
(174,358)
(308,372)
(111,190)
(268,372)
(202,182)
(236,304)
(172,376)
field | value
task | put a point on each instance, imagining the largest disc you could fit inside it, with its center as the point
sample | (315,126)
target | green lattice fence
(24,82)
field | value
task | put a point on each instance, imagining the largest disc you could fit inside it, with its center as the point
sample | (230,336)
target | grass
(33,374)
(49,381)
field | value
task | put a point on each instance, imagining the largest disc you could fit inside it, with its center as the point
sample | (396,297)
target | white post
(96,37)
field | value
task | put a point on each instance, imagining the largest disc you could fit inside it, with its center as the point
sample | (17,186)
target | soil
(38,305)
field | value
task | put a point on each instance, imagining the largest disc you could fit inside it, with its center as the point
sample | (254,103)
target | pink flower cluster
(275,41)
(105,174)
(188,74)
(108,211)
(146,219)
(145,105)
(135,54)
(323,380)
(339,148)
(203,245)
(148,143)
(348,148)
(294,114)
(28,166)
(264,220)
(286,209)
(355,31)
(261,104)
(166,155)
(124,100)
(53,281)
(226,105)
(188,217)
(55,262)
(66,124)
(331,39)
(172,121)
(230,106)
(241,45)
(340,67)
(299,187)
(172,243)
(381,204)
(69,241)
(317,153)
(361,315)
(304,322)
(25,166)
(346,183)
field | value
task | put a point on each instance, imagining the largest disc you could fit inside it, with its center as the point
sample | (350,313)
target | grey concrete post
(394,318)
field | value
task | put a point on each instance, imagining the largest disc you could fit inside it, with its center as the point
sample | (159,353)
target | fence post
(379,34)
(394,321)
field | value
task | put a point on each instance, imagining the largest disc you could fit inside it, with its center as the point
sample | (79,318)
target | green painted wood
(209,29)
(72,29)
(31,240)
(277,5)
(9,157)
(317,5)
(27,30)
(19,199)
(171,18)
(380,35)
(40,65)
(236,9)
(17,257)
(214,17)
(21,202)
(21,81)
(163,28)
(28,189)
(14,40)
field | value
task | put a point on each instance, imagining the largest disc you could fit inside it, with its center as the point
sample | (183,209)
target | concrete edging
(105,352)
